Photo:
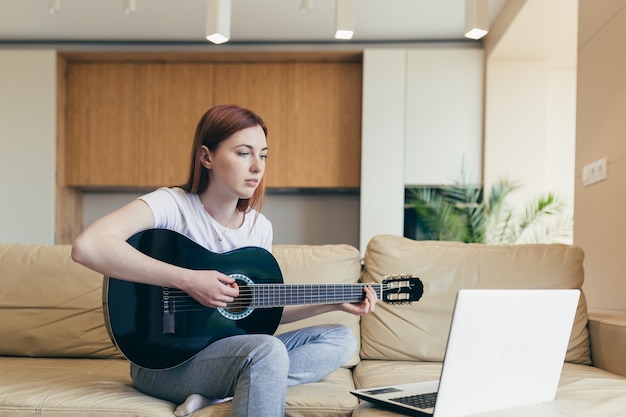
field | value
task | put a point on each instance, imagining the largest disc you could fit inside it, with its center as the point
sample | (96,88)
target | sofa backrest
(321,264)
(50,306)
(419,331)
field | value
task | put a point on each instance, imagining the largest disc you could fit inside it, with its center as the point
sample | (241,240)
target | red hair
(215,126)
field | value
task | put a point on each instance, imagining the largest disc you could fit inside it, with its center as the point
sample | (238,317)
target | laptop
(505,349)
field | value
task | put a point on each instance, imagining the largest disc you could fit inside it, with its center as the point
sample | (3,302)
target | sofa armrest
(607,332)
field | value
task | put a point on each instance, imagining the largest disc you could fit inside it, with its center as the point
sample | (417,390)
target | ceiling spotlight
(344,19)
(54,6)
(130,6)
(476,18)
(218,21)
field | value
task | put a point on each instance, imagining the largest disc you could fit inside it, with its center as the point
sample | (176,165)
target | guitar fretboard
(280,295)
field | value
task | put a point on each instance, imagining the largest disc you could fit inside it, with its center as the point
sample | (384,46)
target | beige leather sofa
(57,359)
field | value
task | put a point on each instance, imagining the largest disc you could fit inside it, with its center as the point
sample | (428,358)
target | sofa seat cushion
(102,387)
(588,391)
(330,398)
(420,331)
(583,390)
(94,387)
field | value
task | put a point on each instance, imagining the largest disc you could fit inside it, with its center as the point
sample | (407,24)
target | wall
(27,145)
(600,226)
(530,101)
(529,129)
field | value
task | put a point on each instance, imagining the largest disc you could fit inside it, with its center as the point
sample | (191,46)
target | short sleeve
(165,209)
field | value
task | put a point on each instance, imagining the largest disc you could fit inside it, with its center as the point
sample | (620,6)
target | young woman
(219,208)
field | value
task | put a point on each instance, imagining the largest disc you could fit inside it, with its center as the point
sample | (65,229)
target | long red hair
(215,126)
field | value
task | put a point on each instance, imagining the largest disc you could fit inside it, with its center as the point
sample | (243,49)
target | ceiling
(253,21)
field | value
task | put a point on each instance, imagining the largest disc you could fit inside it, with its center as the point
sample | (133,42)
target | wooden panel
(173,98)
(262,88)
(131,124)
(102,124)
(324,125)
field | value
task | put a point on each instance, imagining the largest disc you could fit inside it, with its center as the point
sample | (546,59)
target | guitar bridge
(169,325)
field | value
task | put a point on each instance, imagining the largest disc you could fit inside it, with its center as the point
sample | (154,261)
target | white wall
(516,124)
(27,145)
(530,100)
(529,133)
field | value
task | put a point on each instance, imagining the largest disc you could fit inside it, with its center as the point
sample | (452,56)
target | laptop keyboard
(419,401)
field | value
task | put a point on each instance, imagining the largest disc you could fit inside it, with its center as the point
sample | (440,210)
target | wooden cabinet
(102,128)
(263,88)
(174,97)
(131,124)
(324,125)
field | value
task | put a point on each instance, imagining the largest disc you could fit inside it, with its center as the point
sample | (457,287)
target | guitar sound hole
(240,307)
(242,302)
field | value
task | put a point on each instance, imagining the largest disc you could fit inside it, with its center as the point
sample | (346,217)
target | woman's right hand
(210,288)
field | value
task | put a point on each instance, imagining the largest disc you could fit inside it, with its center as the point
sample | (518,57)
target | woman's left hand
(364,307)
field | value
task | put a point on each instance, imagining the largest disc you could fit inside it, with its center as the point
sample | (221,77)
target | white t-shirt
(183,212)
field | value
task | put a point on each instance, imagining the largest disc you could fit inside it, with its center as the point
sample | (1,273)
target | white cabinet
(444,116)
(422,120)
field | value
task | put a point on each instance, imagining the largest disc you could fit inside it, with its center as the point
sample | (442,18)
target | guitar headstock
(401,289)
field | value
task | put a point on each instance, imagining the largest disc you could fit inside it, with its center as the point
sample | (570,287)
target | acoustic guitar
(159,327)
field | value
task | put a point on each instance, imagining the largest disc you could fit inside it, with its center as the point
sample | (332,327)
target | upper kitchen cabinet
(324,128)
(130,123)
(262,88)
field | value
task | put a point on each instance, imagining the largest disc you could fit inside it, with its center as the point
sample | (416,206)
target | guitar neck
(281,295)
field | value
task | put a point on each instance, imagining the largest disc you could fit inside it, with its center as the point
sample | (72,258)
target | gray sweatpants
(253,369)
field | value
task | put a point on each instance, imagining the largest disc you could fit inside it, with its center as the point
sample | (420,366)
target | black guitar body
(156,329)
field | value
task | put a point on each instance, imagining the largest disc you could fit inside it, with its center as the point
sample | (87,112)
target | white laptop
(505,349)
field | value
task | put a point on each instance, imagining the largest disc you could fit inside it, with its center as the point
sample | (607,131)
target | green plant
(460,212)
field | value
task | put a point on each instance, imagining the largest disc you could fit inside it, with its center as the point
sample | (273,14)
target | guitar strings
(279,295)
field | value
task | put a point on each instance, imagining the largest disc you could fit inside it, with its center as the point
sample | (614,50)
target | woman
(219,208)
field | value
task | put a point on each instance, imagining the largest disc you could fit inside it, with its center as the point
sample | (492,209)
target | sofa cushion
(50,305)
(583,390)
(419,331)
(321,264)
(102,387)
(329,397)
(73,387)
